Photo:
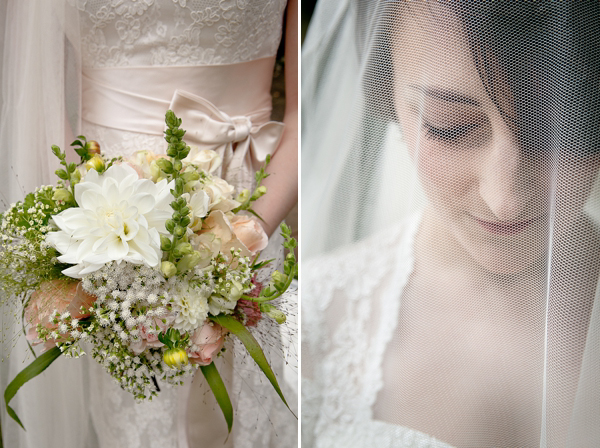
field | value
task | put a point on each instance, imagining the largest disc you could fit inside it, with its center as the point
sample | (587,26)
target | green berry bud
(170,225)
(165,243)
(273,313)
(182,249)
(62,194)
(171,150)
(179,231)
(165,165)
(185,221)
(168,269)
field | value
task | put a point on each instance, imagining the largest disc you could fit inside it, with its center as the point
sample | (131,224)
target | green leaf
(262,264)
(253,347)
(28,373)
(213,378)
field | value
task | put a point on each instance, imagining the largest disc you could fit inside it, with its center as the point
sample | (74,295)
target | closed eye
(448,135)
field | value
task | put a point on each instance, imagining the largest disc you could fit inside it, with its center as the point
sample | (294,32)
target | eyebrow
(446,95)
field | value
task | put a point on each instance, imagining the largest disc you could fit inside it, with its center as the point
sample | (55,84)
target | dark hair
(547,52)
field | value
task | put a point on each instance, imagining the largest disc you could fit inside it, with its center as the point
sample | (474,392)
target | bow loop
(210,128)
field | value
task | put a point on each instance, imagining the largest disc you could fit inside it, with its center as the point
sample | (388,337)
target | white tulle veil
(40,107)
(389,126)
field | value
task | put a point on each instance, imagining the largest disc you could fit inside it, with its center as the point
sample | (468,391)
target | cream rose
(205,159)
(220,195)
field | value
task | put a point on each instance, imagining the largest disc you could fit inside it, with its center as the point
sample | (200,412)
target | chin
(505,255)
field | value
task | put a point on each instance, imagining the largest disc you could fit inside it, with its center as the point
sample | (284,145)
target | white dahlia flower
(119,218)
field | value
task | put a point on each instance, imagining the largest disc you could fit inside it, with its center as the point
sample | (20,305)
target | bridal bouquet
(151,261)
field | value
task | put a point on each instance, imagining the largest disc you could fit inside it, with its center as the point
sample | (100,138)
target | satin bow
(210,128)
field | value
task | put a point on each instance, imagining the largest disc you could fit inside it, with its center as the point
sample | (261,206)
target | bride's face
(487,191)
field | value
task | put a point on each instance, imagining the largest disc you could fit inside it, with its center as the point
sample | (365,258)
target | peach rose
(207,342)
(60,295)
(249,232)
(219,225)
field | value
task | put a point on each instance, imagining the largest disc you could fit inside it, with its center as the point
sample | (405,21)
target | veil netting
(450,219)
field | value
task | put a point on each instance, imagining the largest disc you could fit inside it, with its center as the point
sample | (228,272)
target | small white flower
(190,305)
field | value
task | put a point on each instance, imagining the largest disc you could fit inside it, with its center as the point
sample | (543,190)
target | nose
(502,183)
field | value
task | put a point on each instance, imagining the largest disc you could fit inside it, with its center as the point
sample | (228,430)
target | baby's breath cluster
(67,333)
(136,304)
(25,258)
(131,310)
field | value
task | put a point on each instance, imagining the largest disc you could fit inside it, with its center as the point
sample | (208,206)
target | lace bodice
(350,304)
(178,32)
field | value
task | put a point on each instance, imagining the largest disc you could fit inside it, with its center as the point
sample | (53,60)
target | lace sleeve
(343,317)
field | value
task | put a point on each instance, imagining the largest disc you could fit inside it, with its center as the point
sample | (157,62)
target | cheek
(447,176)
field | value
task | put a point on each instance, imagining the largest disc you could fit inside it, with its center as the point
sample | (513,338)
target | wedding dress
(211,62)
(451,224)
(338,393)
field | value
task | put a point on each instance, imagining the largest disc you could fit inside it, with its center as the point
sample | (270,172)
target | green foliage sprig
(177,251)
(246,198)
(280,282)
(83,148)
(70,173)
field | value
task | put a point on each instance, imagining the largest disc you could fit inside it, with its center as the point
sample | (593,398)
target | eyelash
(448,135)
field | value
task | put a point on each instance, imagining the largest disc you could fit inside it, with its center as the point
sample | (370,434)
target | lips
(505,228)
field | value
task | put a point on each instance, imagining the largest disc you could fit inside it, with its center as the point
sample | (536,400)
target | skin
(282,184)
(466,363)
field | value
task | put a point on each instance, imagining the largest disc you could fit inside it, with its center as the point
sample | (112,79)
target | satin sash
(222,107)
